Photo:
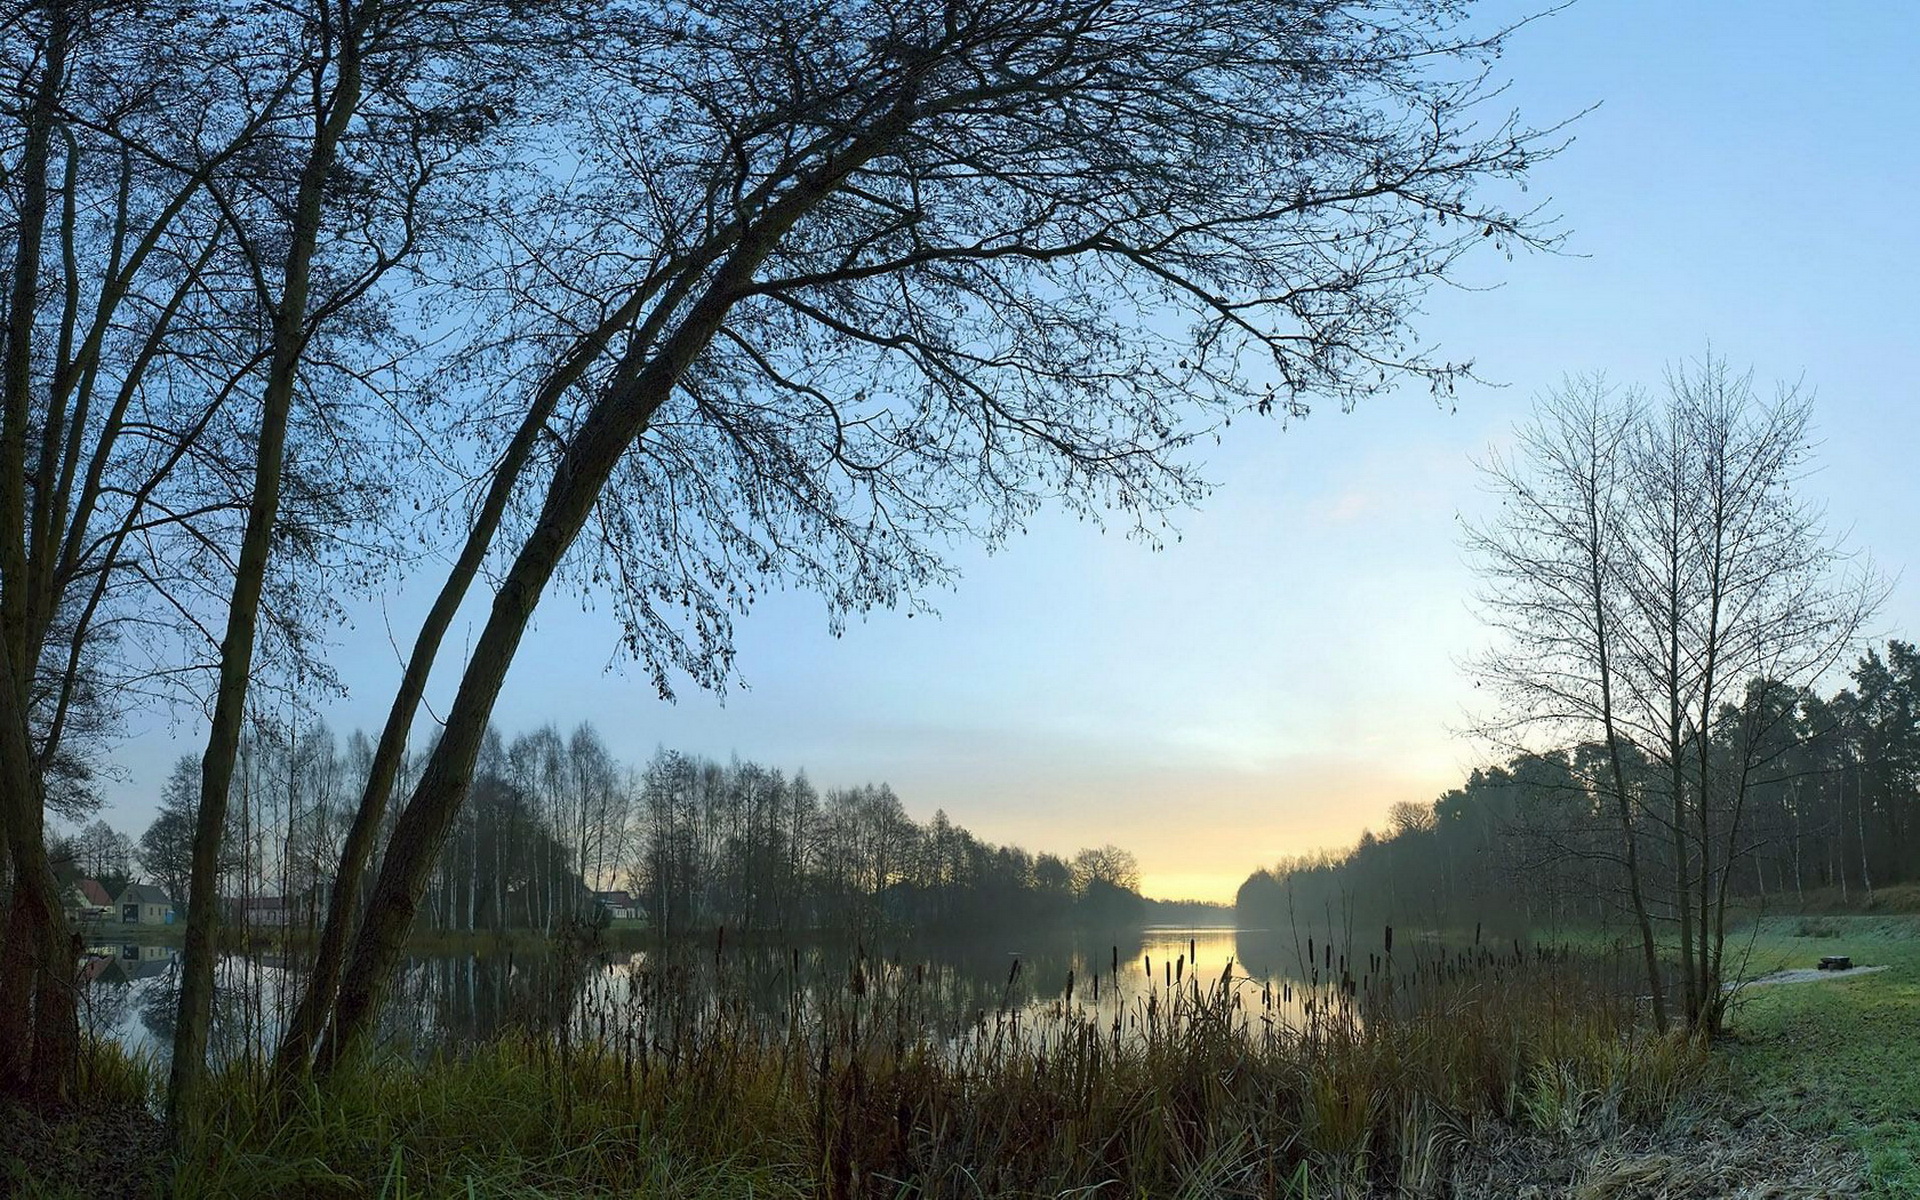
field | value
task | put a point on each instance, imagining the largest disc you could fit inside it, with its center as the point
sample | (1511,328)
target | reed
(1368,1077)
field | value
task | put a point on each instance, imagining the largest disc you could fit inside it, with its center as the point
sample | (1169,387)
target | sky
(1273,681)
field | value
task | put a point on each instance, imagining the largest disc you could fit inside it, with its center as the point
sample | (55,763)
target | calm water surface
(947,987)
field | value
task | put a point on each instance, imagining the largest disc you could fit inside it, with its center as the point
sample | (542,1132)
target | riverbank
(1500,1076)
(1388,1081)
(1192,1094)
(1837,1057)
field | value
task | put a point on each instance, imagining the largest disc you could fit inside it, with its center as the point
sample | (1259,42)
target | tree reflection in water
(652,999)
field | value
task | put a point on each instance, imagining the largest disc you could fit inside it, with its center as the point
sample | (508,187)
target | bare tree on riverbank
(901,273)
(803,296)
(1661,590)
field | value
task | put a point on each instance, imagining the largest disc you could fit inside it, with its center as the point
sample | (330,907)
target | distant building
(263,912)
(144,904)
(619,906)
(88,902)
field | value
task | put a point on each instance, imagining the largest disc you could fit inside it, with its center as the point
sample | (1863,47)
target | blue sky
(1271,682)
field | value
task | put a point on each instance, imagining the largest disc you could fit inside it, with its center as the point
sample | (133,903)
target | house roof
(613,897)
(94,892)
(144,893)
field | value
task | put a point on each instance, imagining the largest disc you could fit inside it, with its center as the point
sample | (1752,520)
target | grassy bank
(1470,1072)
(1196,1094)
(1382,1084)
(1837,1057)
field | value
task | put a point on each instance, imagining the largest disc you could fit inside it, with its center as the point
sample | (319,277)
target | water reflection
(946,988)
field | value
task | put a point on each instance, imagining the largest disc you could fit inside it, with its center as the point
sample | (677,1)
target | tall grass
(1369,1078)
(113,1076)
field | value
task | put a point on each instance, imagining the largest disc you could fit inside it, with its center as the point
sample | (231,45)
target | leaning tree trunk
(290,332)
(295,1052)
(637,389)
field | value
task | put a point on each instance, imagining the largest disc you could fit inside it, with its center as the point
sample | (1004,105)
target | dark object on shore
(1836,962)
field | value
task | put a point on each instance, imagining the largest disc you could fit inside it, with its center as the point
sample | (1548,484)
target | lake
(950,988)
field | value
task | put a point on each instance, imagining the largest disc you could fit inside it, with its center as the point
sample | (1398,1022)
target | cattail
(1389,939)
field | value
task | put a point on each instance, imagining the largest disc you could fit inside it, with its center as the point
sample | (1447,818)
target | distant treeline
(1832,803)
(694,844)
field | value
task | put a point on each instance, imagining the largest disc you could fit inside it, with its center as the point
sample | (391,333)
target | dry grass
(1355,1086)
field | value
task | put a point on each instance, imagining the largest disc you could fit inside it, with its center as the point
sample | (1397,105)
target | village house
(88,902)
(144,904)
(619,906)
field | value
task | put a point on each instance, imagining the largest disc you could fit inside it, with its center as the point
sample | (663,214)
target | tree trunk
(1799,887)
(296,1046)
(1860,824)
(236,648)
(38,1031)
(1623,804)
(638,387)
(1682,894)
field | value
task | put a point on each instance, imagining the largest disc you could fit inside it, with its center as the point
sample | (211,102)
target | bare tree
(1550,562)
(842,282)
(395,98)
(1661,589)
(118,361)
(1108,864)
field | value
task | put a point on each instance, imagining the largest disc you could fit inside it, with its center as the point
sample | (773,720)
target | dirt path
(1807,975)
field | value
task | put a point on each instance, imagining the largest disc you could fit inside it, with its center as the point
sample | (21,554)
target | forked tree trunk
(296,1046)
(1623,804)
